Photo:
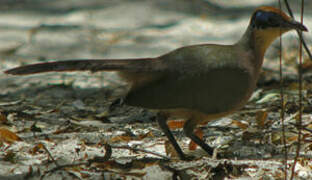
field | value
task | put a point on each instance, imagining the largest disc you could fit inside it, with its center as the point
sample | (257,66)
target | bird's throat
(262,39)
(258,41)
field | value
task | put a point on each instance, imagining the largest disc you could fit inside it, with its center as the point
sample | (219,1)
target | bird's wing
(217,91)
(215,88)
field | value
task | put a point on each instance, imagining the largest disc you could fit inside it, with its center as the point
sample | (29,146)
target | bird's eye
(261,16)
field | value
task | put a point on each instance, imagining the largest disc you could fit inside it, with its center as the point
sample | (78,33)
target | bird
(198,83)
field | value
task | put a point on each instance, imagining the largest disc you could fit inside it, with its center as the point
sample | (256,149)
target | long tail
(93,65)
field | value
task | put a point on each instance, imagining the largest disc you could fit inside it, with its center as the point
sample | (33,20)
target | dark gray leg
(189,132)
(162,121)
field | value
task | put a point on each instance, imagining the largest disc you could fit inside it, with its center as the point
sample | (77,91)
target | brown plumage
(199,83)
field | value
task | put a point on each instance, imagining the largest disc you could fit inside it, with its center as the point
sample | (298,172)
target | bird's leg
(162,121)
(189,132)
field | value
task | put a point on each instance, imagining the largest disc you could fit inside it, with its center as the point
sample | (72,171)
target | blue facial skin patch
(263,20)
(262,17)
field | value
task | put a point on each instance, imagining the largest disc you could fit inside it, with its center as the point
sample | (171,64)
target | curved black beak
(297,25)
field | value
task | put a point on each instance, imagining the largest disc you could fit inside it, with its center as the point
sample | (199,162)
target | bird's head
(271,19)
(268,23)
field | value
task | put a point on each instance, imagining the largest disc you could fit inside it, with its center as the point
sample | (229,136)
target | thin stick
(50,155)
(282,101)
(142,150)
(299,120)
(302,41)
(97,159)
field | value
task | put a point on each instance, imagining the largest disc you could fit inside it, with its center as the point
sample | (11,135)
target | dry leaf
(37,148)
(261,117)
(239,124)
(10,156)
(193,145)
(175,124)
(268,97)
(306,66)
(3,118)
(170,151)
(8,136)
(276,138)
(10,103)
(292,138)
(85,175)
(149,134)
(138,164)
(121,138)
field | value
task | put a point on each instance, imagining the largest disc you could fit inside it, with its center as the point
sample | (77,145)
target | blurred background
(32,30)
(40,30)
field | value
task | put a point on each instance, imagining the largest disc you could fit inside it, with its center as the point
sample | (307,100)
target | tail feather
(93,65)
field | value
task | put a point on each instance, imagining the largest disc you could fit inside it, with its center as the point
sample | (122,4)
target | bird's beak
(296,25)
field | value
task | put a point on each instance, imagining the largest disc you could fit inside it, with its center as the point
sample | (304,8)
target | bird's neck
(257,42)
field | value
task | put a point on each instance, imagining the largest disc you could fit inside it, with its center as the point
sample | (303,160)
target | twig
(49,154)
(97,159)
(299,32)
(299,120)
(142,150)
(282,103)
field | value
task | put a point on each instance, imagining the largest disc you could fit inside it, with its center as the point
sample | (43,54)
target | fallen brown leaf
(193,145)
(175,124)
(261,118)
(239,124)
(8,136)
